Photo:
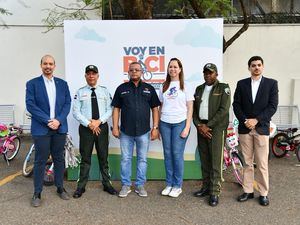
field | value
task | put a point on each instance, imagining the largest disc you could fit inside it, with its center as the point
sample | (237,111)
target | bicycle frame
(231,156)
(290,144)
(228,155)
(6,145)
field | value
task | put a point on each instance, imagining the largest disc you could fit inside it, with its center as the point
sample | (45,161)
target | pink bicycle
(9,141)
(232,157)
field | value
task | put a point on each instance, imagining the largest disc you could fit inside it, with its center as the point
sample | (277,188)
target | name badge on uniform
(146,91)
(124,92)
(84,97)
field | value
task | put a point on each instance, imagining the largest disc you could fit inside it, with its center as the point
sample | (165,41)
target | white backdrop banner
(112,45)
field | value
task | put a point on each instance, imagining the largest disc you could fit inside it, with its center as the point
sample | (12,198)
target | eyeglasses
(135,70)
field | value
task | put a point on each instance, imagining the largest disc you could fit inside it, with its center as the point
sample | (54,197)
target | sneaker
(175,192)
(36,200)
(63,194)
(124,191)
(166,191)
(140,190)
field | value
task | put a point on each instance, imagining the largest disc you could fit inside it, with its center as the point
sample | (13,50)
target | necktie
(95,110)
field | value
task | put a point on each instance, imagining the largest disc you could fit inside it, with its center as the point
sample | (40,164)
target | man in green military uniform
(92,109)
(211,118)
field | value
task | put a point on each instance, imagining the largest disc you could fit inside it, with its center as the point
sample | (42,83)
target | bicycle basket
(3,130)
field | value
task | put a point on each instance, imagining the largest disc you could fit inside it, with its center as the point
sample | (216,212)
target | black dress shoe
(213,200)
(264,200)
(78,192)
(202,192)
(109,189)
(245,196)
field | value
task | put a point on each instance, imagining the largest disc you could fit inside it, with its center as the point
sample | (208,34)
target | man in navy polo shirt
(133,100)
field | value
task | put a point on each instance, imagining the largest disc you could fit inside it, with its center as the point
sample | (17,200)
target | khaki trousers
(255,146)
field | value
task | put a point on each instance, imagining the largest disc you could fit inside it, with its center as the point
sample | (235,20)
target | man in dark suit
(255,102)
(48,100)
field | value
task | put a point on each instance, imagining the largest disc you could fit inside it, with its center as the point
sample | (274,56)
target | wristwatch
(155,127)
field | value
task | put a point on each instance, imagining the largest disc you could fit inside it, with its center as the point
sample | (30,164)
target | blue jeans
(173,146)
(52,143)
(127,146)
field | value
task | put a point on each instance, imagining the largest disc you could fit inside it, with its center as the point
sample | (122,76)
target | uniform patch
(146,91)
(227,91)
(125,92)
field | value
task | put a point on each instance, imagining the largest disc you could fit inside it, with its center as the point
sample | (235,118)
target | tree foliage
(74,11)
(143,9)
(5,11)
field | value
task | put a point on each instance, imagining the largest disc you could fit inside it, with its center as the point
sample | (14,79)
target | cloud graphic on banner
(196,35)
(89,35)
(195,77)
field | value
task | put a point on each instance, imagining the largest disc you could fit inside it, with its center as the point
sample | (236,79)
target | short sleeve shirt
(135,103)
(174,100)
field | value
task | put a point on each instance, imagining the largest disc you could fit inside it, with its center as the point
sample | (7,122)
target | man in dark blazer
(255,102)
(48,100)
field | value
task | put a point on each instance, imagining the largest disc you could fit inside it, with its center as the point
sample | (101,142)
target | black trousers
(86,143)
(52,143)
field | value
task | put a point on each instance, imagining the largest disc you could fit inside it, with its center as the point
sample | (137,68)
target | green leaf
(87,2)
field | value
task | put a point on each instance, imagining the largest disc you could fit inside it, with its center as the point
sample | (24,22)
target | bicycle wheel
(278,149)
(13,149)
(297,151)
(237,165)
(147,75)
(49,174)
(28,162)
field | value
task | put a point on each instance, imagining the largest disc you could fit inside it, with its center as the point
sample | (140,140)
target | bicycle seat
(293,130)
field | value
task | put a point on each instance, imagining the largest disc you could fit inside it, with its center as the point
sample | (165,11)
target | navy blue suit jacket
(37,103)
(262,109)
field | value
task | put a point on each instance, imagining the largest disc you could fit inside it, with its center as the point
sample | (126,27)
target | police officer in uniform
(211,118)
(92,108)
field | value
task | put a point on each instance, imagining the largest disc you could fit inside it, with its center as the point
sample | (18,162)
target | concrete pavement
(98,207)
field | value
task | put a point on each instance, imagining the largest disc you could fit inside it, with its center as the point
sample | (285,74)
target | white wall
(22,47)
(23,44)
(279,46)
(31,12)
(20,54)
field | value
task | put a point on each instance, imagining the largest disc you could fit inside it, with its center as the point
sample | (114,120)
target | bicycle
(232,157)
(27,170)
(28,164)
(9,141)
(286,141)
(147,75)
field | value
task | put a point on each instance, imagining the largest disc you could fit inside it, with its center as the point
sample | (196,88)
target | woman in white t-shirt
(175,123)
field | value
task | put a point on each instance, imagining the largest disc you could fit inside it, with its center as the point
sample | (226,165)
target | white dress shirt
(51,92)
(254,87)
(203,112)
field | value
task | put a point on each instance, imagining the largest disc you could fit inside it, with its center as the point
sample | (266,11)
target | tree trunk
(137,9)
(245,26)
